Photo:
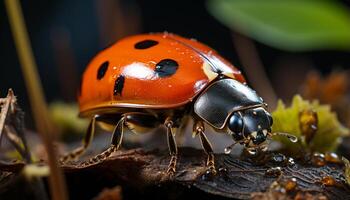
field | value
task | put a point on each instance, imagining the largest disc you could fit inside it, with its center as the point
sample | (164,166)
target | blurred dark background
(65,35)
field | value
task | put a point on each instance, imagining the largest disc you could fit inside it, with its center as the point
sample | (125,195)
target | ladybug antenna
(291,137)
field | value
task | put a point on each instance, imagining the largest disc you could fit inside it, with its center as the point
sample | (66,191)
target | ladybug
(145,81)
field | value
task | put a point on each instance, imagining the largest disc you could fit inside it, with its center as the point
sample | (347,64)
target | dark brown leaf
(142,175)
(236,178)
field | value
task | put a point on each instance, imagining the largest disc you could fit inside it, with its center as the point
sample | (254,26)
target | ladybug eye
(235,124)
(166,67)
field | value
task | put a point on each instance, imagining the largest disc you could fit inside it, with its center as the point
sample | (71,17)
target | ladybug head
(252,124)
(252,127)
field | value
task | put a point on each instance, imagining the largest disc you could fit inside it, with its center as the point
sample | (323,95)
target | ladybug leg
(136,122)
(172,146)
(116,140)
(198,129)
(85,143)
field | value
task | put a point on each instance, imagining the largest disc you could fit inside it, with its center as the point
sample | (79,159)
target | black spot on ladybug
(145,44)
(102,70)
(166,67)
(118,85)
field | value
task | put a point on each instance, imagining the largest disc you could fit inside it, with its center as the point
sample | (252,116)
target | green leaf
(294,25)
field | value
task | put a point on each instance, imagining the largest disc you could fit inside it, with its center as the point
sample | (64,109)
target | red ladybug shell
(153,71)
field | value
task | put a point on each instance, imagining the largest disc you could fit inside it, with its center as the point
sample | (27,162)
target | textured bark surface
(142,175)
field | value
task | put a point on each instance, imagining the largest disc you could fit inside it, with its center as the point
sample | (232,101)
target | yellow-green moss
(328,135)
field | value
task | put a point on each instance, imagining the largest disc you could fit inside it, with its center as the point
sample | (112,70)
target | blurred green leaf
(329,133)
(65,117)
(294,25)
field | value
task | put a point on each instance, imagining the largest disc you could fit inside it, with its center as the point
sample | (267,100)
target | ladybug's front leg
(198,129)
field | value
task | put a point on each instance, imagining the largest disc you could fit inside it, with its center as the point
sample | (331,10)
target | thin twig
(4,111)
(35,91)
(12,127)
(15,141)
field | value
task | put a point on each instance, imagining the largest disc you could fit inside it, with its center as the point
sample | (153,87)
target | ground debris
(141,174)
(12,125)
(273,195)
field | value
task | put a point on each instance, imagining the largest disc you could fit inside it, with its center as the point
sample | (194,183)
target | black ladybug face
(253,124)
(256,124)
